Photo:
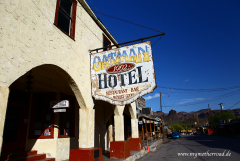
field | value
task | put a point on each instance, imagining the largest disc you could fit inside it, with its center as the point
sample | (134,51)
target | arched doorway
(31,123)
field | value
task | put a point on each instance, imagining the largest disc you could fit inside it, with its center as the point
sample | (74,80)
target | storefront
(30,121)
(45,58)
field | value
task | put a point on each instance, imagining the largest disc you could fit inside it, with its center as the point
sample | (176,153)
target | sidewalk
(136,154)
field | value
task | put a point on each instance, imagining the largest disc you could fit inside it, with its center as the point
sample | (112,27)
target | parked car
(197,133)
(175,135)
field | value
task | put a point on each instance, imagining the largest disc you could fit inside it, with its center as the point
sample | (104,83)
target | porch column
(119,123)
(86,127)
(134,120)
(110,132)
(4,92)
(135,141)
(119,149)
(86,150)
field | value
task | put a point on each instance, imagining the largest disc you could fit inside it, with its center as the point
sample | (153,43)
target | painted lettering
(130,76)
(100,81)
(114,81)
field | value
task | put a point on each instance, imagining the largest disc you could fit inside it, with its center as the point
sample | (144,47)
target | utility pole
(161,113)
(221,111)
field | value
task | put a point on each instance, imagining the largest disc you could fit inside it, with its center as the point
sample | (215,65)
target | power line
(120,20)
(209,99)
(233,105)
(201,90)
(129,22)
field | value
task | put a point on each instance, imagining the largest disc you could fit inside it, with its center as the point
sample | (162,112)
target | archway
(30,122)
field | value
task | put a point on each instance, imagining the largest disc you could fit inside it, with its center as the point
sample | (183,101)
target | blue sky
(199,51)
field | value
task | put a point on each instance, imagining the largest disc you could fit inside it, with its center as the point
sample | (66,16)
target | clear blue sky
(201,48)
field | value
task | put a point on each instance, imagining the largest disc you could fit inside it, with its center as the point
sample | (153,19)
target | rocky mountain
(191,117)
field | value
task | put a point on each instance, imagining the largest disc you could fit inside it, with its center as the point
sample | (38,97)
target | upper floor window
(65,16)
(106,43)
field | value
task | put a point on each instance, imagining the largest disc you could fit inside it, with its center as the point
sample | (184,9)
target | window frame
(73,18)
(72,100)
(32,118)
(105,39)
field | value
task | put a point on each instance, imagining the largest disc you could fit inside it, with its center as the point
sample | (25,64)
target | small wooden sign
(59,110)
(59,104)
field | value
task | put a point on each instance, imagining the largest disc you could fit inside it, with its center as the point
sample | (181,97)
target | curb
(138,154)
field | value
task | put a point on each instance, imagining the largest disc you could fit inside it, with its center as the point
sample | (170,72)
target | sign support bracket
(125,43)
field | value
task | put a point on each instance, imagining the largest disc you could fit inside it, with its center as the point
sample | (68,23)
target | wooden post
(146,130)
(143,131)
(161,114)
(154,129)
(151,129)
(159,131)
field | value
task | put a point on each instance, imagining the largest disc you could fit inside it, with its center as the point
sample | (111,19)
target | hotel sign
(119,76)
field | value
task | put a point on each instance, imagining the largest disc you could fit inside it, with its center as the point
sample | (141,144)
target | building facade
(44,48)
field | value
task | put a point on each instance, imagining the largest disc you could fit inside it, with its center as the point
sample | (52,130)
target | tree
(218,117)
(177,127)
(183,125)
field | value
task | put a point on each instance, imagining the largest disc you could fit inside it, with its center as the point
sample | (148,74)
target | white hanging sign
(59,104)
(119,76)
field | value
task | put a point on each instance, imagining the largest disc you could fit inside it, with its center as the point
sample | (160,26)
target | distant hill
(191,117)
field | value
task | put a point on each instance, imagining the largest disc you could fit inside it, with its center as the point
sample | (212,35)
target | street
(196,148)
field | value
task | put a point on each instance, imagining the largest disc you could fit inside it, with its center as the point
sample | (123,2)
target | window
(65,16)
(106,43)
(66,119)
(42,117)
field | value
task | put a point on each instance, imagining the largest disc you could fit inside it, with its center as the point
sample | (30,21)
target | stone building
(44,57)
